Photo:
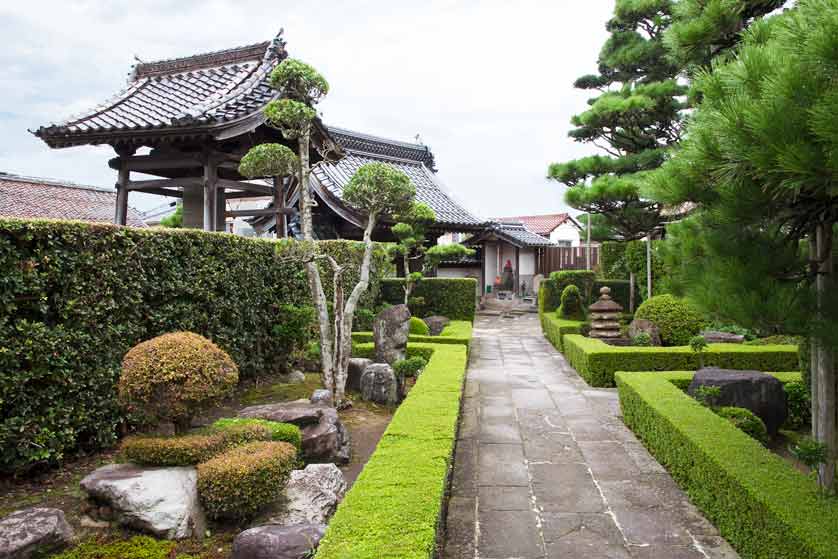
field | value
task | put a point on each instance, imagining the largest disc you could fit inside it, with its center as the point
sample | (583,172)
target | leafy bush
(571,304)
(280,432)
(708,395)
(734,329)
(245,479)
(676,319)
(455,298)
(642,339)
(776,339)
(612,260)
(75,297)
(174,376)
(810,452)
(409,367)
(762,505)
(363,319)
(583,279)
(418,327)
(295,330)
(745,420)
(799,405)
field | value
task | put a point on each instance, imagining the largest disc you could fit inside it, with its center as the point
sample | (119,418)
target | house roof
(516,234)
(539,224)
(206,93)
(30,197)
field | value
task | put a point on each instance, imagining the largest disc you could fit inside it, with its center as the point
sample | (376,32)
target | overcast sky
(486,84)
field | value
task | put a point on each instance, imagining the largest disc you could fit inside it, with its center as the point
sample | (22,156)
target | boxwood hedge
(455,298)
(457,332)
(74,297)
(763,506)
(556,328)
(596,361)
(394,507)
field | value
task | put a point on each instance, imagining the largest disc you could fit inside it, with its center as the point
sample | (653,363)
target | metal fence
(565,258)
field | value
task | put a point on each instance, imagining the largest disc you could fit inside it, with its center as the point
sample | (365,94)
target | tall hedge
(455,298)
(612,260)
(552,287)
(74,297)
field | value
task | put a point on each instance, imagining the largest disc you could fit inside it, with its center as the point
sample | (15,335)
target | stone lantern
(605,316)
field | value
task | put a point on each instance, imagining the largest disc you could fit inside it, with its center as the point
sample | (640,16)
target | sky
(487,84)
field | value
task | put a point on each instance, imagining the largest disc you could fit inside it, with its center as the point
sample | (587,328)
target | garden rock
(436,324)
(294,377)
(380,385)
(713,337)
(278,542)
(323,397)
(325,438)
(357,366)
(160,501)
(641,325)
(390,331)
(34,532)
(761,393)
(311,496)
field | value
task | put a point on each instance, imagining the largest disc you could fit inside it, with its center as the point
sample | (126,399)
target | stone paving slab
(545,468)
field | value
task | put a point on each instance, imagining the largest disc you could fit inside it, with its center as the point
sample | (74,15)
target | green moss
(764,507)
(280,391)
(138,547)
(279,431)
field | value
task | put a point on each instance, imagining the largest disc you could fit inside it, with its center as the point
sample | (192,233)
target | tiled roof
(28,197)
(205,91)
(514,233)
(334,176)
(540,224)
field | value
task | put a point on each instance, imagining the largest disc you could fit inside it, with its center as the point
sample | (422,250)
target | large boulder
(713,337)
(379,384)
(357,366)
(325,438)
(436,324)
(390,330)
(34,532)
(641,325)
(278,542)
(762,394)
(294,377)
(311,496)
(160,501)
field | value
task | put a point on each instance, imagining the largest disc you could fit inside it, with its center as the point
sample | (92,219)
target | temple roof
(516,234)
(205,93)
(30,197)
(540,224)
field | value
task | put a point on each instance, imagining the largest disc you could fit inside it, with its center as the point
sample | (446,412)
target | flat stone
(533,398)
(608,460)
(583,535)
(278,542)
(565,488)
(504,498)
(298,412)
(658,526)
(34,532)
(311,496)
(714,337)
(498,430)
(509,533)
(460,525)
(501,464)
(464,476)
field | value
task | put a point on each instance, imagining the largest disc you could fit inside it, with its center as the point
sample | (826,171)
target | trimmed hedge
(550,291)
(240,482)
(458,332)
(620,292)
(394,507)
(74,297)
(596,361)
(455,298)
(612,260)
(418,327)
(280,432)
(556,328)
(763,506)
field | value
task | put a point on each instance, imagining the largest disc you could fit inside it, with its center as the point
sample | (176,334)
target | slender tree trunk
(825,422)
(407,285)
(649,266)
(631,292)
(588,248)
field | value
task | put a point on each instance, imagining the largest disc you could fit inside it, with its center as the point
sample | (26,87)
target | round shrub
(745,420)
(676,319)
(243,480)
(643,339)
(418,326)
(281,432)
(409,367)
(571,304)
(175,376)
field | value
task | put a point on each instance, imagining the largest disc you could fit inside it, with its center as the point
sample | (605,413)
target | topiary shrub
(677,320)
(418,326)
(409,367)
(243,480)
(583,279)
(188,450)
(745,420)
(571,304)
(280,432)
(175,376)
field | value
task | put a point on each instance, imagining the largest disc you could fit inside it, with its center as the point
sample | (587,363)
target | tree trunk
(631,292)
(649,266)
(407,286)
(825,420)
(588,248)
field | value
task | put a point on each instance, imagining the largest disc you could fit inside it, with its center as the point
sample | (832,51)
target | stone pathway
(544,466)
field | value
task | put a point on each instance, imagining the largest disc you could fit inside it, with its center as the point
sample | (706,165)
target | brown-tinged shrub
(243,480)
(175,376)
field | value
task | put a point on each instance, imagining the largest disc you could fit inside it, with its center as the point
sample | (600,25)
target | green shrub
(676,319)
(189,450)
(747,333)
(409,367)
(596,361)
(708,395)
(643,339)
(811,452)
(571,304)
(279,432)
(761,504)
(418,327)
(75,297)
(745,420)
(455,298)
(555,329)
(137,547)
(363,319)
(620,291)
(240,482)
(776,339)
(582,279)
(799,405)
(612,260)
(295,330)
(393,508)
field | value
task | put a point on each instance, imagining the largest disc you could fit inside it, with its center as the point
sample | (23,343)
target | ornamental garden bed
(764,506)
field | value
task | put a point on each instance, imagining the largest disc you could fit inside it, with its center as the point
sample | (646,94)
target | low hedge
(280,432)
(455,298)
(762,505)
(458,332)
(556,328)
(240,482)
(394,507)
(596,361)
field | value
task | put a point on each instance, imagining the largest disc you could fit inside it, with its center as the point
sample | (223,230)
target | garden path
(545,468)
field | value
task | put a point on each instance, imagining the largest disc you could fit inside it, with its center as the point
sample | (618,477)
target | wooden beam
(157,161)
(258,212)
(164,183)
(235,194)
(121,212)
(164,192)
(247,186)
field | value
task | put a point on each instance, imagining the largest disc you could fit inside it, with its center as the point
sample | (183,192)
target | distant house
(561,229)
(31,197)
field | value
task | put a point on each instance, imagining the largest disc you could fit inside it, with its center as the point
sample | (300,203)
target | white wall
(490,264)
(567,231)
